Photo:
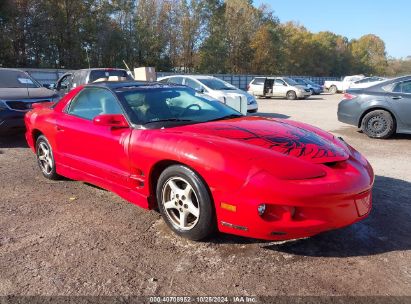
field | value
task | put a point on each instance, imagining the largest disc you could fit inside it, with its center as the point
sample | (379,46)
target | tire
(185,203)
(333,89)
(291,95)
(378,124)
(45,158)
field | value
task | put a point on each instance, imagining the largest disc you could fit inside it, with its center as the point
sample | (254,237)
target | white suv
(213,87)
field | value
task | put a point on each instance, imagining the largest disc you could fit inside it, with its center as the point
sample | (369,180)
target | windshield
(165,107)
(311,82)
(17,79)
(216,84)
(290,82)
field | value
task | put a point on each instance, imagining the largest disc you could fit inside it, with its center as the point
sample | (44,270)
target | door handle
(396,97)
(60,129)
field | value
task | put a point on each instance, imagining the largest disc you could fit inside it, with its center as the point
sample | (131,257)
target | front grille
(22,105)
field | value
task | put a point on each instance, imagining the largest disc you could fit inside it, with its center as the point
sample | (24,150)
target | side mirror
(111,120)
(200,90)
(46,85)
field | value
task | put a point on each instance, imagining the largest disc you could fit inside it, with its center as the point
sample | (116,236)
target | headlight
(251,100)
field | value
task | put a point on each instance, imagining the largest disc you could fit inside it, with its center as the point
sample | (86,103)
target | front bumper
(297,209)
(252,107)
(303,94)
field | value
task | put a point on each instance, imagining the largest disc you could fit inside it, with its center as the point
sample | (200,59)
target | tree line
(204,36)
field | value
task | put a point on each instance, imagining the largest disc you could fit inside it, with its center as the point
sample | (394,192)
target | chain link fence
(48,76)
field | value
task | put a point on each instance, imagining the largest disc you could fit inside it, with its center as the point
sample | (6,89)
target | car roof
(192,76)
(12,69)
(102,69)
(124,85)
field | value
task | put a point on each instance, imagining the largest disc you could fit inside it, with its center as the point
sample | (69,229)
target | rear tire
(185,203)
(45,158)
(333,89)
(378,124)
(291,95)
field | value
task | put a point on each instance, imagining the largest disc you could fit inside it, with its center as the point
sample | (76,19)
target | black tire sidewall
(389,130)
(53,174)
(206,224)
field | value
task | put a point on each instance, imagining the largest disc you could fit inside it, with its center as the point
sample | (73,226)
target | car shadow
(386,229)
(14,140)
(270,115)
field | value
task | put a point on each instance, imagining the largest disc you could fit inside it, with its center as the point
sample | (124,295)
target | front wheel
(185,203)
(291,95)
(45,158)
(378,124)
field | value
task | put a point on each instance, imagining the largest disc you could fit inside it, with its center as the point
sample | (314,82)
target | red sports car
(201,163)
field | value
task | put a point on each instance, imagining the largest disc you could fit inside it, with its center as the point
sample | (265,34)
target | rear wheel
(333,89)
(185,203)
(45,158)
(378,124)
(291,95)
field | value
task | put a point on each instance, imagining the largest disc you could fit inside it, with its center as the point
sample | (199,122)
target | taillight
(349,96)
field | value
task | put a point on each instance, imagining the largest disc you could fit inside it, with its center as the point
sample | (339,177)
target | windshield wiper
(168,119)
(231,116)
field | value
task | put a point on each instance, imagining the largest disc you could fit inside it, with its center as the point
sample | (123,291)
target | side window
(165,80)
(279,82)
(258,81)
(403,87)
(176,80)
(64,82)
(192,84)
(91,102)
(406,87)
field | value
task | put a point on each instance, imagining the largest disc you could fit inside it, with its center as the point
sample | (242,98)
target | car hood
(25,93)
(285,137)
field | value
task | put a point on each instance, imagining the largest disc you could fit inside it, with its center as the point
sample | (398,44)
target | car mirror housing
(111,120)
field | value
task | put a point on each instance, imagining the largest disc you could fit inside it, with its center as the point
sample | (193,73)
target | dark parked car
(18,91)
(315,88)
(380,110)
(75,78)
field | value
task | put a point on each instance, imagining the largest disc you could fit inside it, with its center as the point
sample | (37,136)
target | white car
(284,87)
(366,82)
(341,86)
(215,88)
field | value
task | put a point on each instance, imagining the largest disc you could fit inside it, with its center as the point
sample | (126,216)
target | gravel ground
(70,238)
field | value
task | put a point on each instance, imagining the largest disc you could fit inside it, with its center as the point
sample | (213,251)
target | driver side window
(91,102)
(279,82)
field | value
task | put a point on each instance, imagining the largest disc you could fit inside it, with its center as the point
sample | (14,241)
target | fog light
(261,209)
